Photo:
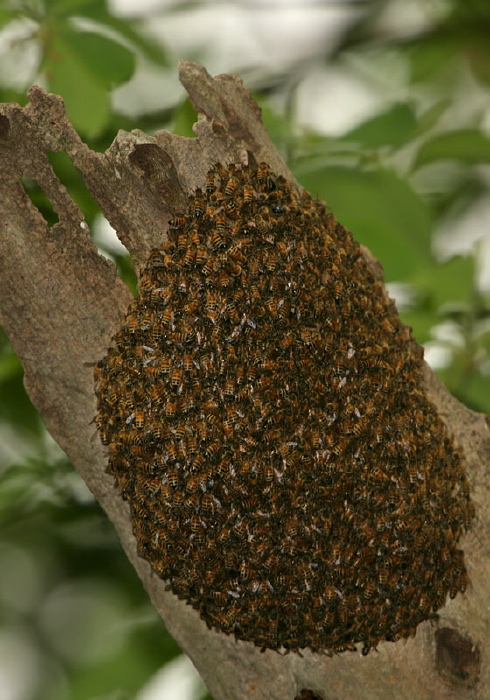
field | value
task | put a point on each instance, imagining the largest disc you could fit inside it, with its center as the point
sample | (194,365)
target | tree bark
(61,303)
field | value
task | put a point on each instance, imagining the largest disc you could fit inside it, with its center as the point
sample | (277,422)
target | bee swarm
(264,415)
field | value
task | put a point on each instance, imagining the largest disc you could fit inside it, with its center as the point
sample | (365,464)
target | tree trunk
(60,305)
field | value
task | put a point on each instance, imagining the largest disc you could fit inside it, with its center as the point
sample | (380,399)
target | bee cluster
(265,420)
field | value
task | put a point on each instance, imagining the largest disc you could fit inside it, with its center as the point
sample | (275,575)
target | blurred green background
(382,109)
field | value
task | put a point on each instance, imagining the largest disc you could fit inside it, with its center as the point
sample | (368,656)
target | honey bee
(207,504)
(209,213)
(195,523)
(231,208)
(194,236)
(192,306)
(192,483)
(192,501)
(230,187)
(232,312)
(262,173)
(211,182)
(235,251)
(176,377)
(248,193)
(201,255)
(198,462)
(223,468)
(167,316)
(176,222)
(213,316)
(369,590)
(217,239)
(197,204)
(268,473)
(229,388)
(190,256)
(209,265)
(211,300)
(181,242)
(157,333)
(224,279)
(172,452)
(227,427)
(139,419)
(170,408)
(188,363)
(180,431)
(132,323)
(212,449)
(173,478)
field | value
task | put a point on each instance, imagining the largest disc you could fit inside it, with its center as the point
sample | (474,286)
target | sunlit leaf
(7,15)
(394,127)
(381,210)
(110,62)
(149,47)
(431,116)
(469,146)
(86,99)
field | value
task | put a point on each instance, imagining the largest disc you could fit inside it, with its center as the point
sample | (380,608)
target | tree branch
(60,305)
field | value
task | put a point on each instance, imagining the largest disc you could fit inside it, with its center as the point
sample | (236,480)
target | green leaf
(431,116)
(466,145)
(67,8)
(381,210)
(277,125)
(478,54)
(451,282)
(109,62)
(7,16)
(10,366)
(430,54)
(472,389)
(86,99)
(394,127)
(150,48)
(184,118)
(483,341)
(477,393)
(421,321)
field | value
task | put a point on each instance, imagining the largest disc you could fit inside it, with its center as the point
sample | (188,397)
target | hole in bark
(457,658)
(308,695)
(38,197)
(103,235)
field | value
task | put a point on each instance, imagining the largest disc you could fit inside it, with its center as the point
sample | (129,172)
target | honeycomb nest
(263,410)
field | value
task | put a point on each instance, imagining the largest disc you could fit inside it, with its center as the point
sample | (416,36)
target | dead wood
(60,304)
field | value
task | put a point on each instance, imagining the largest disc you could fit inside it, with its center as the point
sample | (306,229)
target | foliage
(400,180)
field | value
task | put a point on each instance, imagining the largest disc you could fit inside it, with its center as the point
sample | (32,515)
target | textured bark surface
(60,303)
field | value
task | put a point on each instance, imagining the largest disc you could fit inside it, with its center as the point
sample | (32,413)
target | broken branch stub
(61,303)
